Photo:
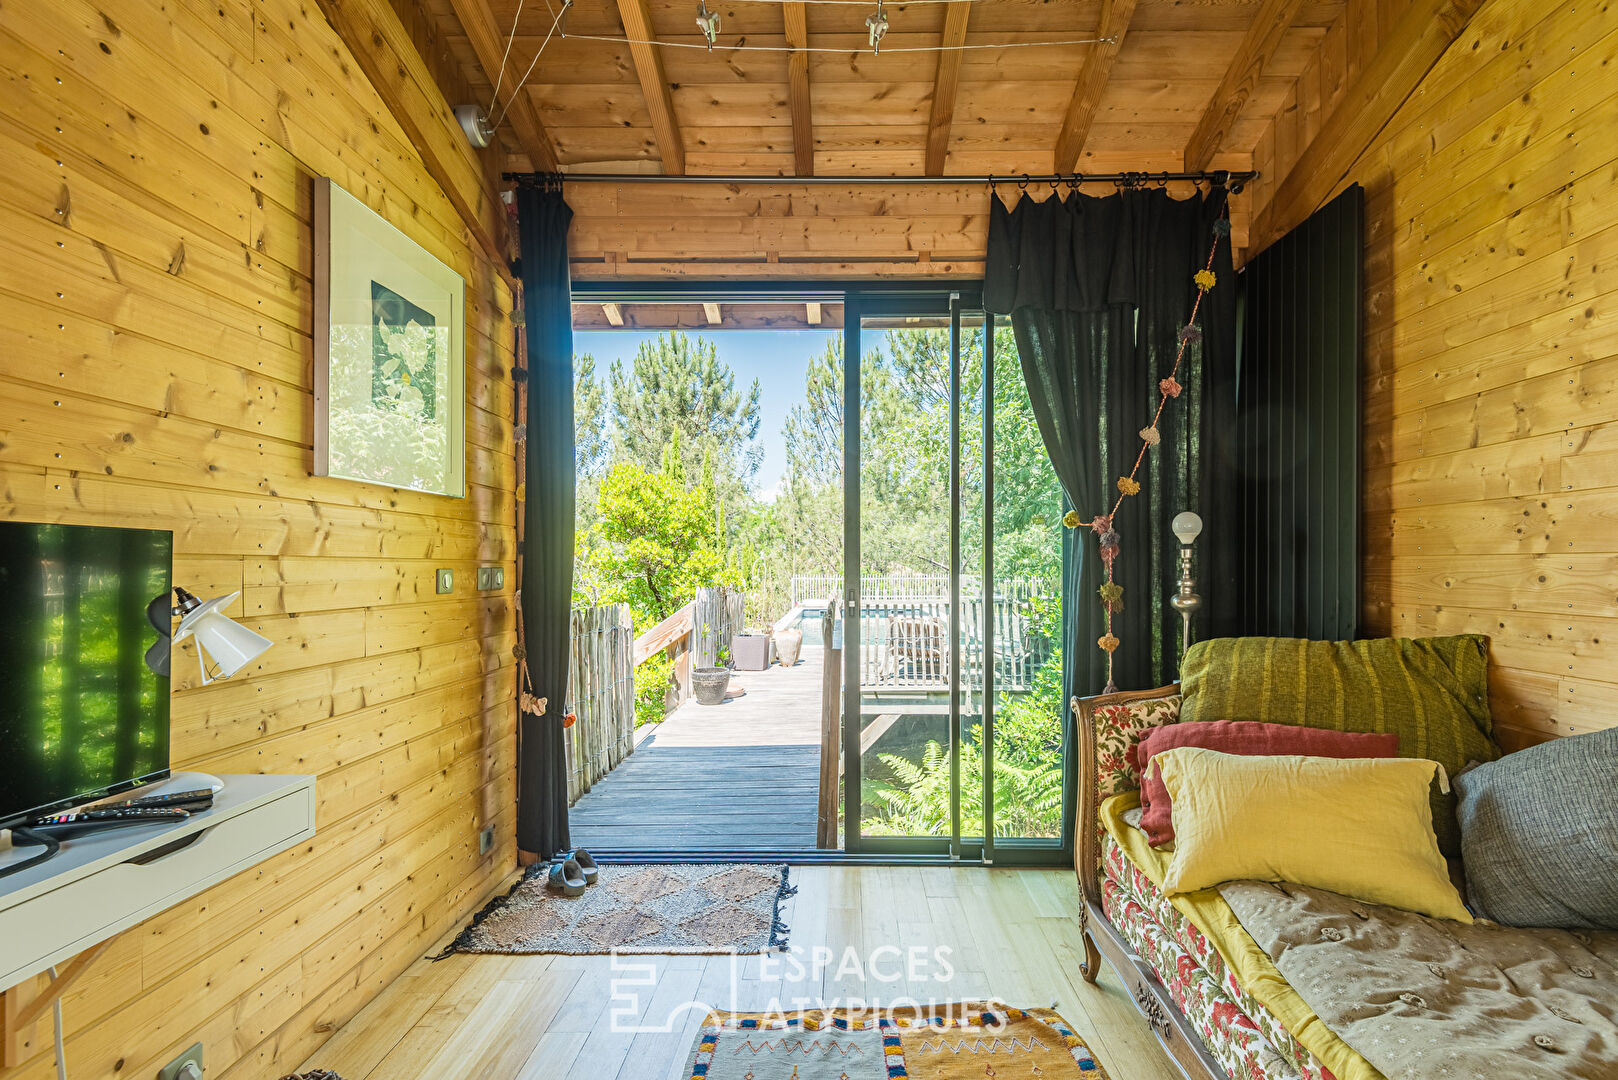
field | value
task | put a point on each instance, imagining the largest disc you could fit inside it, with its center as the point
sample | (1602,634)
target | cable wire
(964,47)
(61,1051)
(515,19)
(556,20)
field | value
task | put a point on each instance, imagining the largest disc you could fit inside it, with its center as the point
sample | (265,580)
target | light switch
(446,580)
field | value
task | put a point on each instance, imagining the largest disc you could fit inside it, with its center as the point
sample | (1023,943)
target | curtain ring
(1073,182)
(1022,185)
(992,190)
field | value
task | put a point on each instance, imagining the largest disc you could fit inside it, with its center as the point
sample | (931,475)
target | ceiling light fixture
(878,26)
(708,24)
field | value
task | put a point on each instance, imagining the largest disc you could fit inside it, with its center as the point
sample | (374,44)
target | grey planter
(750,652)
(709,684)
(788,643)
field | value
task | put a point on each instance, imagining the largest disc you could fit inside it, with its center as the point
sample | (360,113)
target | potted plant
(788,644)
(709,684)
(752,651)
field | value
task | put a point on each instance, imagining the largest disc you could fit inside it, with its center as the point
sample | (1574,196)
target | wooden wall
(1491,492)
(155,371)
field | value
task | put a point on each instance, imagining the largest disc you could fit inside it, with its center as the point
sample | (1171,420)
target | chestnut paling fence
(606,654)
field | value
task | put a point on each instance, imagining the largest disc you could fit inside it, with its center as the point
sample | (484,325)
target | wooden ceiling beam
(614,314)
(1410,50)
(946,82)
(395,69)
(795,15)
(1081,110)
(1270,25)
(811,312)
(654,84)
(712,313)
(489,45)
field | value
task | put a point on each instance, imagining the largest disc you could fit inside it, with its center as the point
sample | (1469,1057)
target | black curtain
(547,571)
(1098,290)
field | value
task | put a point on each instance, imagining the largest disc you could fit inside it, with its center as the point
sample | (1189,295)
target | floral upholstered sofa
(1205,967)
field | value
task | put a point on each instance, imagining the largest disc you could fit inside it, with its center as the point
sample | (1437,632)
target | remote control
(177,800)
(63,826)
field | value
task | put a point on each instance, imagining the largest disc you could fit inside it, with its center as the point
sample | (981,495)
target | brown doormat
(690,908)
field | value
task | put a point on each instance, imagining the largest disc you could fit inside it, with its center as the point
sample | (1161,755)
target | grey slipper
(587,865)
(566,878)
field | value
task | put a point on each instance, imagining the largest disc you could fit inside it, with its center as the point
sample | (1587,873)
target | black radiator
(1298,428)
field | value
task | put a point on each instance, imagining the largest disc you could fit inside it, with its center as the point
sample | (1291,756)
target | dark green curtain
(1098,290)
(547,573)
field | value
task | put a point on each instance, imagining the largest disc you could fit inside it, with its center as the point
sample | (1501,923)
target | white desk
(101,883)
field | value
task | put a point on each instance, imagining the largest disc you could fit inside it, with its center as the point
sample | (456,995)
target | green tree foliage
(676,386)
(658,541)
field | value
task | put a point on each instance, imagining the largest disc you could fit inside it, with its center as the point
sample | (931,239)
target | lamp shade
(227,642)
(1187,527)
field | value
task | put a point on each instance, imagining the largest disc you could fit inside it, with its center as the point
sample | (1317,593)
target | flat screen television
(81,714)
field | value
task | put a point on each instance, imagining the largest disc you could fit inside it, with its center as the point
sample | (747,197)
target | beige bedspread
(1429,999)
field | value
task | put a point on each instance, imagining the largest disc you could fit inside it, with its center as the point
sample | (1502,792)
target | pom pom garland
(1107,539)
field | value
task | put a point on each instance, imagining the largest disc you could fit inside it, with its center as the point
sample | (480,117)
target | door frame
(960,300)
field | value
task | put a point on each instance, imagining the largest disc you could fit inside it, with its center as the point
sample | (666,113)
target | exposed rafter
(1081,111)
(811,312)
(803,127)
(1418,39)
(1264,36)
(654,84)
(712,313)
(614,314)
(945,82)
(489,45)
(373,33)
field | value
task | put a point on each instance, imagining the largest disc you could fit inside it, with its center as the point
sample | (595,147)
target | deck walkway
(744,775)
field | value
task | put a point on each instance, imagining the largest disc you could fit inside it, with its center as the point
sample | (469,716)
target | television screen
(81,715)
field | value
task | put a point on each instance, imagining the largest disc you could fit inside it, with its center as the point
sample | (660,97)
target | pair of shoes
(572,871)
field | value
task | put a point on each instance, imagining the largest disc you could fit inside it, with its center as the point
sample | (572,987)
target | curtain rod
(1233,180)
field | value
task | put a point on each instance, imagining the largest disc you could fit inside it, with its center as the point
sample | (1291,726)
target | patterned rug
(700,908)
(942,1042)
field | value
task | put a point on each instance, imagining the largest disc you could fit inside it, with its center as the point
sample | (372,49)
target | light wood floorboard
(1011,935)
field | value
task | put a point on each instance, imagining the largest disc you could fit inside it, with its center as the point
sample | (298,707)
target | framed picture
(390,358)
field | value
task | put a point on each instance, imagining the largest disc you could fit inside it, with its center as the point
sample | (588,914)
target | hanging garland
(1112,593)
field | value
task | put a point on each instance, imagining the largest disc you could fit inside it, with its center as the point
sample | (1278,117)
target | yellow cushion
(1358,827)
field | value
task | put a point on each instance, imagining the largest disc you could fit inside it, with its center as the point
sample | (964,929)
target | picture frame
(389,353)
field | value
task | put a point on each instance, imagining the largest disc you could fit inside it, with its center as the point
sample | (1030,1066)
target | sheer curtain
(1097,290)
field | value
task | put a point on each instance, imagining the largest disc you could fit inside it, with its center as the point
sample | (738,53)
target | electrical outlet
(446,580)
(485,839)
(188,1066)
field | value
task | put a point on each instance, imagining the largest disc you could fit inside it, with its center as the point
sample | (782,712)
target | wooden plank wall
(155,366)
(794,232)
(1491,443)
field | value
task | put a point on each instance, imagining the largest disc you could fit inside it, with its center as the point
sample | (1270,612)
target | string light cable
(556,24)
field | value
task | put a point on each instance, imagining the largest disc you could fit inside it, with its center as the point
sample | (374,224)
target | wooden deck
(741,776)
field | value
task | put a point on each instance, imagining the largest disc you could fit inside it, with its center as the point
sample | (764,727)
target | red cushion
(1249,739)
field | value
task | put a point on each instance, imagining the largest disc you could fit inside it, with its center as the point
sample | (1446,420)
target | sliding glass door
(947,609)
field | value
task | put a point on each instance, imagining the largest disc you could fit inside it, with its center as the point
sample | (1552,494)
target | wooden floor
(739,776)
(1012,935)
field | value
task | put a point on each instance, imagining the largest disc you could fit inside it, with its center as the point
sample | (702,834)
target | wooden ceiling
(1186,84)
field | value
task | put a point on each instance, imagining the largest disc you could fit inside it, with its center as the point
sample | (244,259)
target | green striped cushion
(1432,692)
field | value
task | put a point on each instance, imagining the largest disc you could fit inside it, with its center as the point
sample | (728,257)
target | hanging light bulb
(878,26)
(708,23)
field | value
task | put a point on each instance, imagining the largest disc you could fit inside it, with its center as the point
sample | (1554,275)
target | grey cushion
(1539,834)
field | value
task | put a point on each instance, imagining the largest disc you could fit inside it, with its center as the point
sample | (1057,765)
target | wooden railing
(601,693)
(693,636)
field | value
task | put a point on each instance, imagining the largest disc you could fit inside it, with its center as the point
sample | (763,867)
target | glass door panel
(953,727)
(905,749)
(1025,534)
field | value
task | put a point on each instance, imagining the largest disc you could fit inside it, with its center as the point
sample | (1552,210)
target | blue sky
(778,359)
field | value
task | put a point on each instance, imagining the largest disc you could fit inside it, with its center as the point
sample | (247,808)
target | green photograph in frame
(390,359)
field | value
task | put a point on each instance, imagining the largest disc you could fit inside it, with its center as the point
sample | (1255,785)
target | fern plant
(1027,798)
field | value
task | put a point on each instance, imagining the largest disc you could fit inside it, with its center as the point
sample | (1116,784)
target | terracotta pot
(709,684)
(788,643)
